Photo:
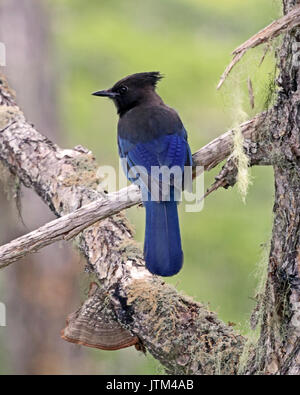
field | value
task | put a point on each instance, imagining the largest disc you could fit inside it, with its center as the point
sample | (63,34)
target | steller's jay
(151,135)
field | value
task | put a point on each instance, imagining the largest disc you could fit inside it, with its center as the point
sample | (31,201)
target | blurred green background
(95,43)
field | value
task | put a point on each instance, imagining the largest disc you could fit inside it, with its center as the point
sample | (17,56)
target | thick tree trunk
(279,346)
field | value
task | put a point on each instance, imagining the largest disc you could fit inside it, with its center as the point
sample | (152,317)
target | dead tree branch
(68,226)
(285,23)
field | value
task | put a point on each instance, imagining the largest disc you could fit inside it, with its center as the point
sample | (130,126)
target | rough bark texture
(279,345)
(182,334)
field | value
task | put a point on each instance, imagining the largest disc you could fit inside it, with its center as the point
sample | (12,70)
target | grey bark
(278,351)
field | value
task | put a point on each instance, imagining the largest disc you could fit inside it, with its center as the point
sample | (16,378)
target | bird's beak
(106,93)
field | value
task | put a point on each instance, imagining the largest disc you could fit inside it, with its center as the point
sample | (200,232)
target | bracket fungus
(95,325)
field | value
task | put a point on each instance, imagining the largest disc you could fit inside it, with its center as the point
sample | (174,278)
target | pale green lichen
(238,154)
(188,335)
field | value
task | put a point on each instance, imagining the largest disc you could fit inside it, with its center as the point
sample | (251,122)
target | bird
(151,136)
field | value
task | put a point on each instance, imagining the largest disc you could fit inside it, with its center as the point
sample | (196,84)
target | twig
(287,22)
(251,93)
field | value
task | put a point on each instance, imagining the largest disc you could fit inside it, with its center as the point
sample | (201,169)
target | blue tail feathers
(162,248)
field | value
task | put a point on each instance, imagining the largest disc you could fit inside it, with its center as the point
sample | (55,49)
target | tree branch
(68,226)
(285,23)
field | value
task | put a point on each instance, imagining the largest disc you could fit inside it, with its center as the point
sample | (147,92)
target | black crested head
(150,78)
(133,90)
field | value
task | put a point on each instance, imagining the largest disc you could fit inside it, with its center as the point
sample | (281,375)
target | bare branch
(287,22)
(237,57)
(251,93)
(68,226)
(217,150)
(225,179)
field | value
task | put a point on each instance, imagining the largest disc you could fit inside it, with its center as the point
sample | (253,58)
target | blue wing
(140,159)
(155,138)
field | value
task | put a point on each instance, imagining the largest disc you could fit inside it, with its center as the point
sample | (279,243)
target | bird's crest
(141,79)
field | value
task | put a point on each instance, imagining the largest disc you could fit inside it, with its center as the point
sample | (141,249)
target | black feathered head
(132,90)
(150,78)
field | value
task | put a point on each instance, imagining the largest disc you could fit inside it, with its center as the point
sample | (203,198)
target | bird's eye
(122,89)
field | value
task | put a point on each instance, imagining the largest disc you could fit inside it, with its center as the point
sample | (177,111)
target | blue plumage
(152,136)
(162,246)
